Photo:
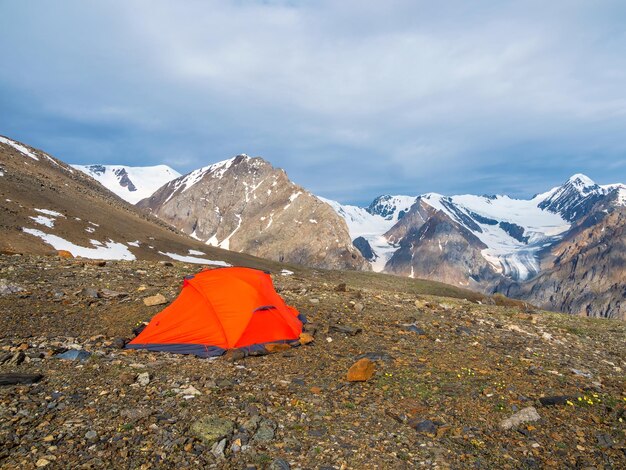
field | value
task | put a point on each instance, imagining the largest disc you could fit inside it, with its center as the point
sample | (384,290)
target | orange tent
(222,309)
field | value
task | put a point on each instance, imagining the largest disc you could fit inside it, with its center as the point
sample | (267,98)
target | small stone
(64,254)
(306,338)
(525,415)
(89,292)
(463,330)
(218,449)
(118,343)
(345,329)
(91,435)
(341,287)
(359,307)
(424,426)
(279,464)
(266,431)
(74,355)
(211,429)
(158,299)
(233,355)
(314,301)
(361,371)
(143,379)
(17,358)
(42,462)
(277,347)
(415,329)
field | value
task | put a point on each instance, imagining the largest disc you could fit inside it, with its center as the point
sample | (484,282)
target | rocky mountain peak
(245,204)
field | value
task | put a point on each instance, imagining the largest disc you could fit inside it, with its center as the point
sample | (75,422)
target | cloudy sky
(352,98)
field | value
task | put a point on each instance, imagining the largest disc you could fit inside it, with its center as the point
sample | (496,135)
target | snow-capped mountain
(131,183)
(368,225)
(513,233)
(244,204)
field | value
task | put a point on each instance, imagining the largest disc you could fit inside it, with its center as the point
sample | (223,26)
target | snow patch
(196,252)
(286,272)
(20,148)
(110,250)
(41,220)
(49,212)
(135,244)
(194,260)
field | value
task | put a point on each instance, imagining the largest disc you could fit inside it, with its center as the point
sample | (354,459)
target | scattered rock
(91,435)
(158,299)
(525,415)
(42,462)
(314,301)
(359,307)
(341,287)
(605,440)
(64,254)
(211,429)
(361,371)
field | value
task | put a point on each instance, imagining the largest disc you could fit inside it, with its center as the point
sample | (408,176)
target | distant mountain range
(562,249)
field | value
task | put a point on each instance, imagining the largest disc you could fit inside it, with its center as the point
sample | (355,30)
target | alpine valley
(564,249)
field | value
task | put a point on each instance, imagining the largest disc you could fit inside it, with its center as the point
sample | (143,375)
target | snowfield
(110,250)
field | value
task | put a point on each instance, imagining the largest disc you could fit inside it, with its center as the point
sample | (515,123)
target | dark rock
(605,440)
(556,400)
(415,329)
(17,358)
(13,379)
(118,343)
(375,356)
(111,294)
(348,330)
(425,426)
(463,330)
(341,287)
(279,464)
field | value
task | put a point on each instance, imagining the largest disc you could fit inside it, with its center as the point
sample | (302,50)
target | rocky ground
(456,384)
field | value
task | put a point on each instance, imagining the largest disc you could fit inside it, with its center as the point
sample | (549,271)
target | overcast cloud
(352,98)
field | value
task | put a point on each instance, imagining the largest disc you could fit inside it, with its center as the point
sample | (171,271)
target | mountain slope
(131,183)
(46,205)
(587,271)
(246,205)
